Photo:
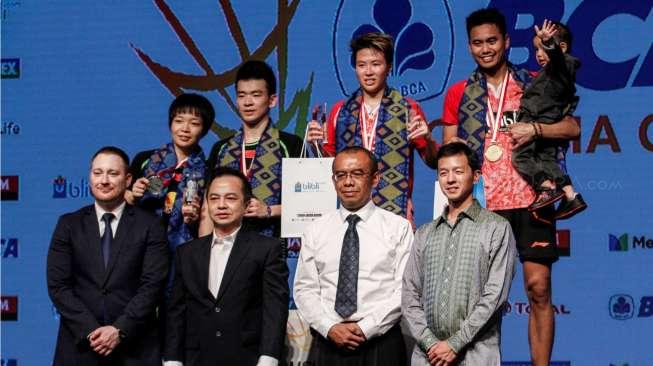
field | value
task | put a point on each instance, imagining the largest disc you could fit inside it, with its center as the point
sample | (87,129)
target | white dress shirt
(99,212)
(385,240)
(221,247)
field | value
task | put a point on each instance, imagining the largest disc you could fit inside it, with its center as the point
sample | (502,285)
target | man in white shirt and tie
(348,279)
(229,301)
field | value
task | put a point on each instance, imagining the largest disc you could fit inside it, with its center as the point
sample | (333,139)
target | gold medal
(493,153)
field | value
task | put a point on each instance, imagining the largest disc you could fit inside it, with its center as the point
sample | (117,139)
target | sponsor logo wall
(117,88)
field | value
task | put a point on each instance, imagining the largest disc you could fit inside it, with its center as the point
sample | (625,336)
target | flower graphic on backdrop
(413,42)
(211,80)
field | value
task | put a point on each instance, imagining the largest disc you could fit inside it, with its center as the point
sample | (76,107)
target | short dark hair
(112,150)
(379,41)
(257,70)
(373,164)
(223,171)
(193,104)
(563,35)
(457,148)
(486,16)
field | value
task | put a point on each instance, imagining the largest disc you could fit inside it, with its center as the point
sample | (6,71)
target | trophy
(190,193)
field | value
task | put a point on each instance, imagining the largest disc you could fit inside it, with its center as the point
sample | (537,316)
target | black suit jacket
(125,293)
(248,318)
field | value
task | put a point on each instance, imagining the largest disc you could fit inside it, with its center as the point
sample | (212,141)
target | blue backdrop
(79,75)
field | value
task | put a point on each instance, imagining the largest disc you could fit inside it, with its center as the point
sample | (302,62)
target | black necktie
(107,237)
(346,300)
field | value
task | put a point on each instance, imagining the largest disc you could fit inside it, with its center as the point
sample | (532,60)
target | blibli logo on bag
(423,43)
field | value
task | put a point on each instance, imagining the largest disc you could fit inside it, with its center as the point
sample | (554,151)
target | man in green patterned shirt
(459,272)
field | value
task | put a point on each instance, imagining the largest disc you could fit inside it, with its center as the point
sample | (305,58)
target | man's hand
(316,132)
(547,31)
(441,354)
(104,340)
(346,335)
(190,212)
(418,128)
(521,133)
(256,208)
(139,187)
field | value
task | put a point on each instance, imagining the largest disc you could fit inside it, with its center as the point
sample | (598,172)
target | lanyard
(368,137)
(492,120)
(177,177)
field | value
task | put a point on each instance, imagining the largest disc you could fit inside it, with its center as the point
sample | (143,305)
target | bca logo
(622,307)
(423,43)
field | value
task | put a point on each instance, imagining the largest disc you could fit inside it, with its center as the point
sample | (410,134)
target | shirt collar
(117,212)
(471,212)
(364,212)
(227,240)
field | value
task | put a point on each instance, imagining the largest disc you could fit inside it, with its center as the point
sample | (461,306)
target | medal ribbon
(493,121)
(368,136)
(176,176)
(243,162)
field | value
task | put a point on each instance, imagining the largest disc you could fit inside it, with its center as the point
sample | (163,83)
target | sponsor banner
(9,247)
(9,188)
(8,308)
(10,129)
(625,242)
(523,308)
(10,68)
(624,307)
(63,188)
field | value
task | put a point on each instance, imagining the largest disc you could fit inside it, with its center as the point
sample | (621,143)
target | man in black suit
(106,270)
(229,302)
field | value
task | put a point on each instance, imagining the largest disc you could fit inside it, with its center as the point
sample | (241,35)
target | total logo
(523,308)
(9,247)
(61,188)
(622,244)
(623,306)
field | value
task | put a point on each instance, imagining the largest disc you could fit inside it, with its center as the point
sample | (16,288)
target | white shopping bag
(307,193)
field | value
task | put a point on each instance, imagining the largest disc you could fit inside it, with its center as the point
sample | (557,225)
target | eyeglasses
(355,175)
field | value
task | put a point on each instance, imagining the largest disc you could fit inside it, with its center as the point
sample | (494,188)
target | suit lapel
(92,234)
(201,261)
(238,253)
(122,234)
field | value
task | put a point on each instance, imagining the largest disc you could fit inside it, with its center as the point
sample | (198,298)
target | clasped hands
(104,340)
(347,335)
(441,354)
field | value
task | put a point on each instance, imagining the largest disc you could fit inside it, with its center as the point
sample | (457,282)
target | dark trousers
(537,161)
(388,349)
